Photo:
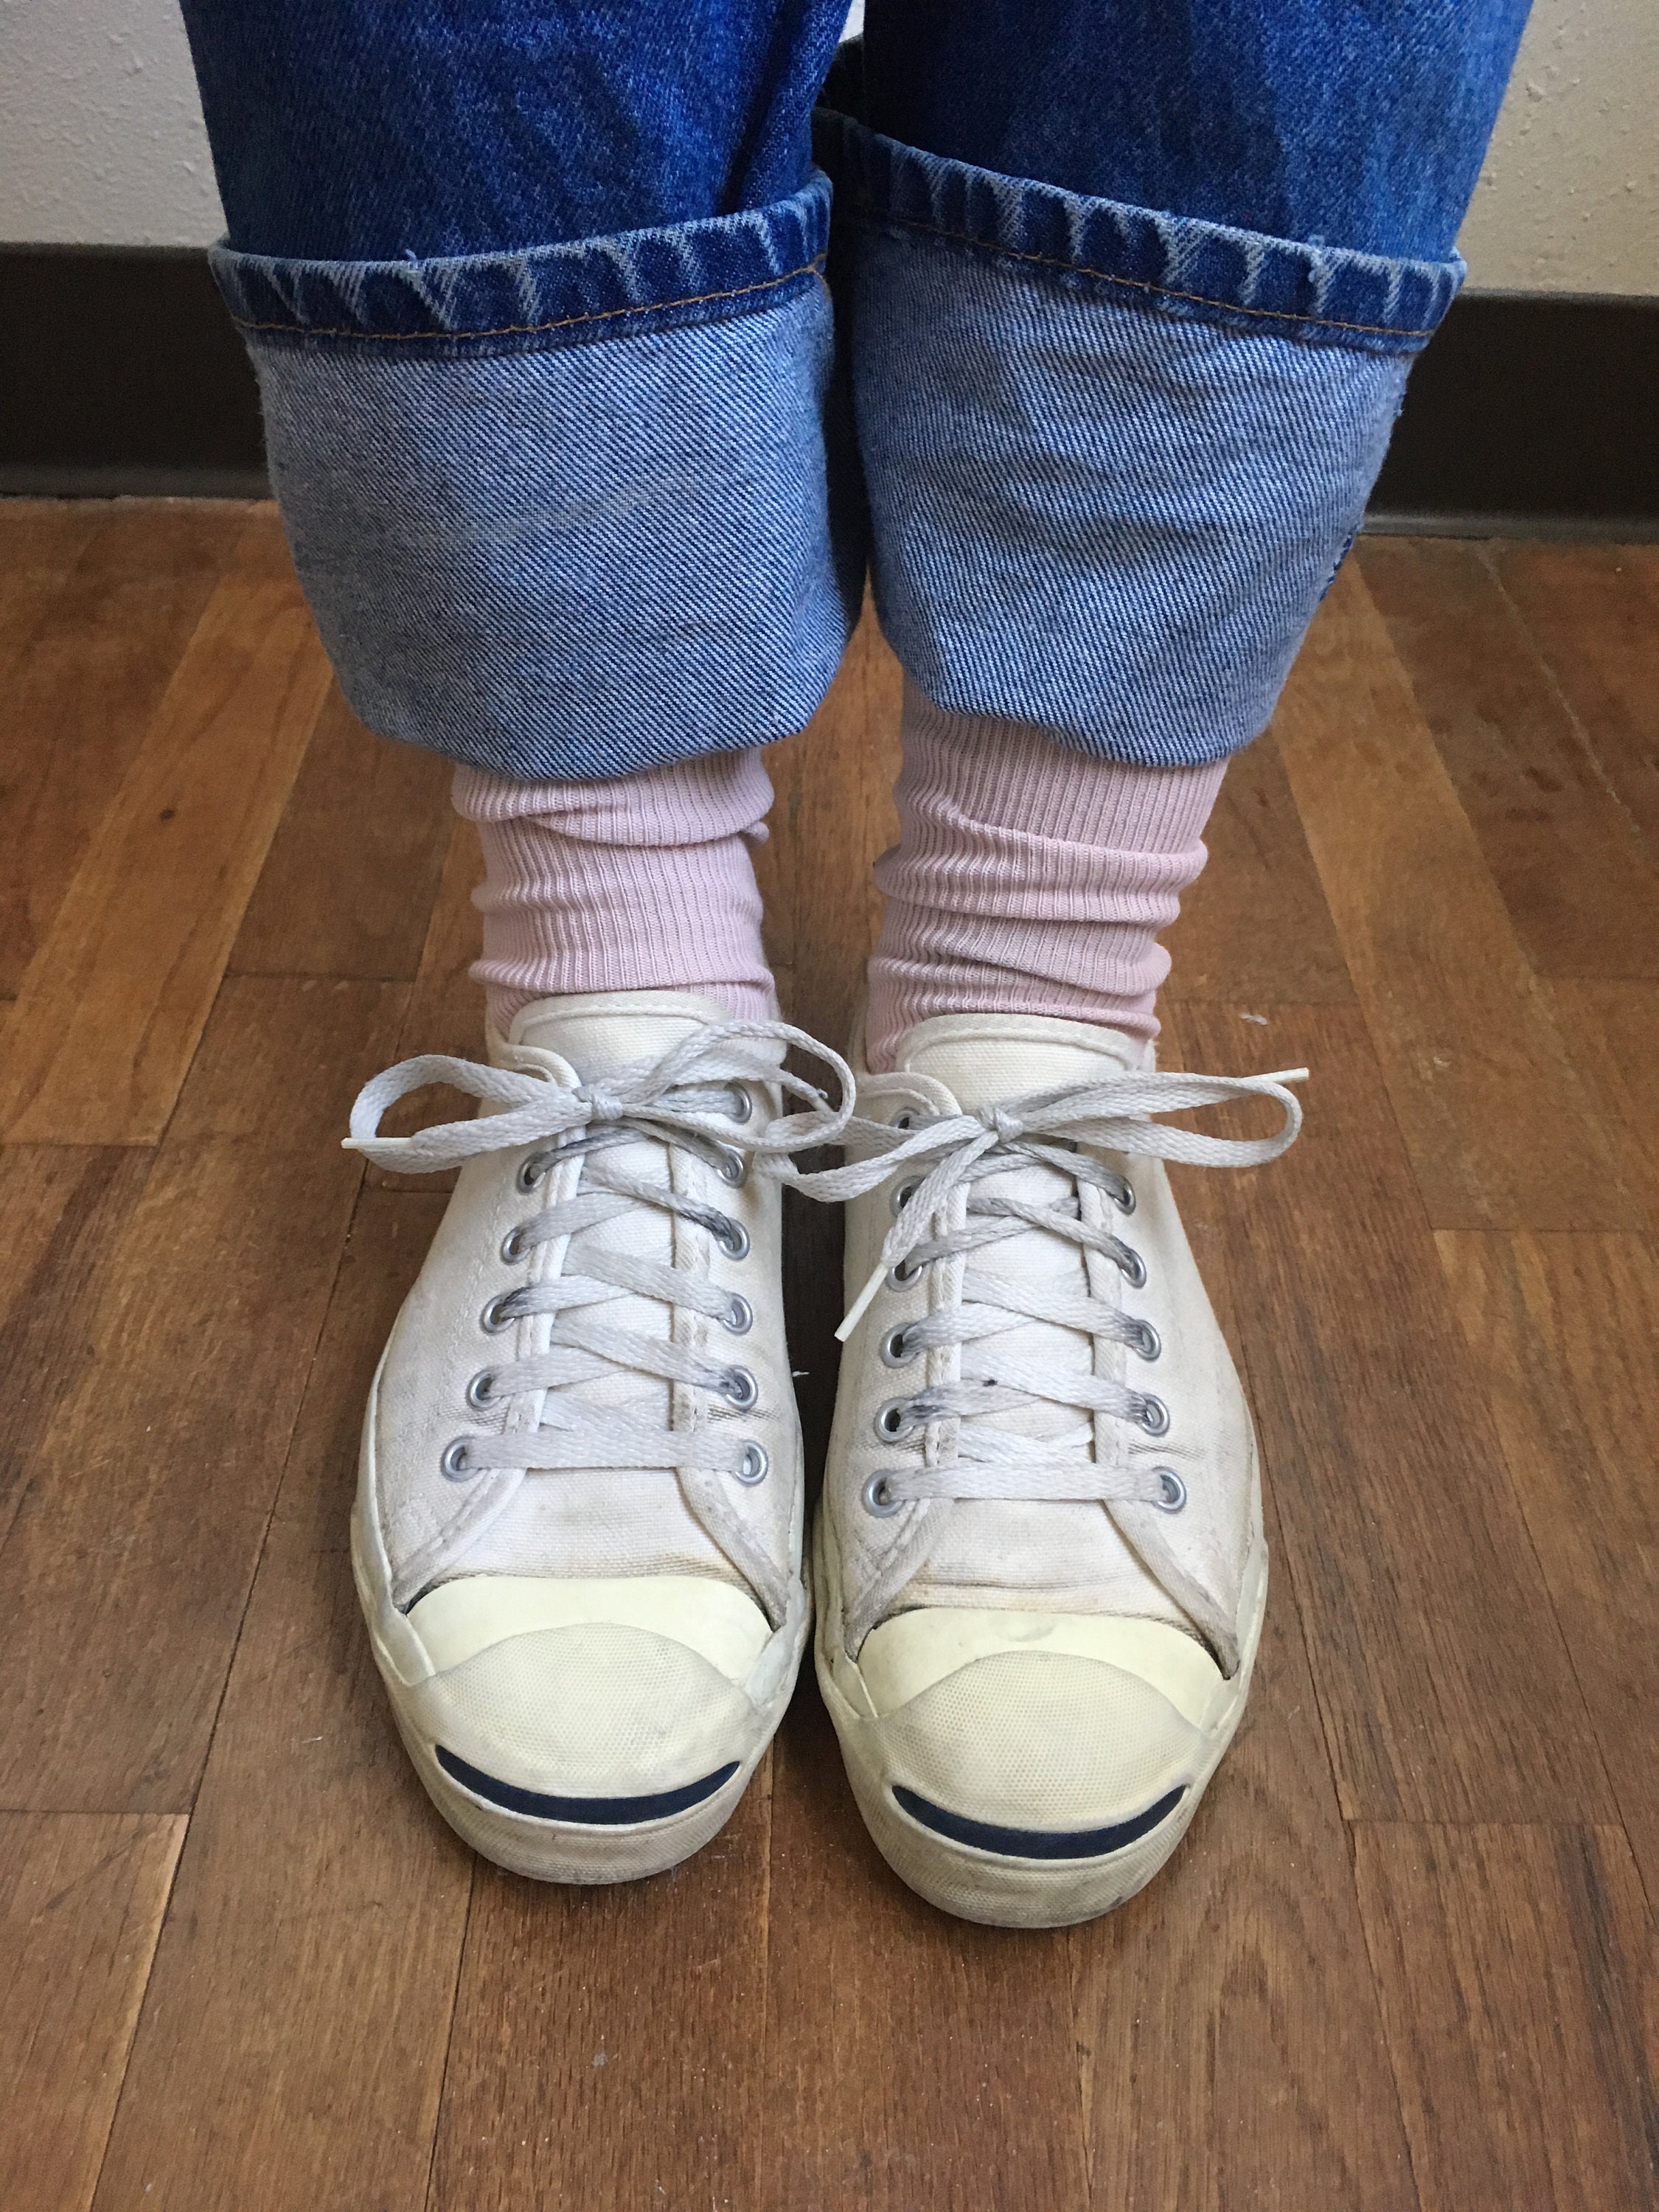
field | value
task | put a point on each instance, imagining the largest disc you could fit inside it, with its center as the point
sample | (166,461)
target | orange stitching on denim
(1138,283)
(814,268)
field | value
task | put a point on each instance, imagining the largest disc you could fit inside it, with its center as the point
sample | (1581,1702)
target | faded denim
(569,506)
(1104,502)
(516,559)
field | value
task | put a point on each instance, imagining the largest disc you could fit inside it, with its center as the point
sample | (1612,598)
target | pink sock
(1029,878)
(640,884)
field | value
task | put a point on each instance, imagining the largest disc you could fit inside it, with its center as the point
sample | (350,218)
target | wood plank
(1445,1687)
(1232,2047)
(1594,613)
(1580,886)
(1245,1963)
(348,884)
(1255,929)
(97,666)
(40,542)
(112,1005)
(125,1577)
(1512,1963)
(43,537)
(447,1007)
(1563,1334)
(291,2047)
(61,1209)
(908,2058)
(1480,1080)
(1612,1030)
(608,2046)
(81,1897)
(446,1011)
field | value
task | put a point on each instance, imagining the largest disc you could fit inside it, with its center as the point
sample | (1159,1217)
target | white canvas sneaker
(1039,1561)
(578,1530)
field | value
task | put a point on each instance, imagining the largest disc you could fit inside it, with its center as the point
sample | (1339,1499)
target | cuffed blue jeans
(596,368)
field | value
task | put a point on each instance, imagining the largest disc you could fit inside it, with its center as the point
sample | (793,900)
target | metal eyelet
(739,1316)
(731,1237)
(1154,1416)
(754,1465)
(1133,1267)
(903,1273)
(1172,1490)
(894,1420)
(742,1106)
(453,1464)
(897,1349)
(1124,1196)
(1147,1341)
(495,1318)
(512,1245)
(733,1167)
(530,1171)
(877,1496)
(739,1388)
(904,1191)
(481,1390)
(904,1119)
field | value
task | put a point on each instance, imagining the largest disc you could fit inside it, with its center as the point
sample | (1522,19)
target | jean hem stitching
(868,212)
(813,268)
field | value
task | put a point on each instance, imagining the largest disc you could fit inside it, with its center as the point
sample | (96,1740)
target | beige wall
(1569,199)
(101,141)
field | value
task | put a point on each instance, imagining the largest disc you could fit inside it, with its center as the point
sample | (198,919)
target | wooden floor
(1405,1959)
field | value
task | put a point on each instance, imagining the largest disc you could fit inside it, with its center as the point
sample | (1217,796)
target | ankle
(638,883)
(1028,878)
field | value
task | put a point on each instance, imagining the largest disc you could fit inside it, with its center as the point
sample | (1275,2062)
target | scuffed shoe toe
(580,1752)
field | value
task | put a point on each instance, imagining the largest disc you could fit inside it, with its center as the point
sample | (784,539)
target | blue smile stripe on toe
(597,1812)
(1036,1843)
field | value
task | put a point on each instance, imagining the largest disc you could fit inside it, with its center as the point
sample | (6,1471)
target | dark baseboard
(122,371)
(1528,414)
(1530,410)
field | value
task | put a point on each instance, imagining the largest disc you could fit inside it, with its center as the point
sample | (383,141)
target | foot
(578,1531)
(1039,1563)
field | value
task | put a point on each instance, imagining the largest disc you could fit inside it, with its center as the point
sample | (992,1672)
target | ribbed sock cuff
(1029,878)
(638,883)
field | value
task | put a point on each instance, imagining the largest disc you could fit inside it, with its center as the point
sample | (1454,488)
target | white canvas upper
(1040,1616)
(629,1627)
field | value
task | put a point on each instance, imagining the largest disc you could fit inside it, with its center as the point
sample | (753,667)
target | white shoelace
(675,1102)
(968,1457)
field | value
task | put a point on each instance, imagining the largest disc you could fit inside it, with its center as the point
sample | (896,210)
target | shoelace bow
(961,1153)
(675,1102)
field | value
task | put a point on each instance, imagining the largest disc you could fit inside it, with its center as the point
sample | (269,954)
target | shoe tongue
(610,1030)
(983,1059)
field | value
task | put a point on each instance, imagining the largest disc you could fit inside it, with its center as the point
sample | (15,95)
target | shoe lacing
(675,1102)
(960,1155)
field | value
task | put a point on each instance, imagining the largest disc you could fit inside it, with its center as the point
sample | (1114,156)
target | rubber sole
(999,1890)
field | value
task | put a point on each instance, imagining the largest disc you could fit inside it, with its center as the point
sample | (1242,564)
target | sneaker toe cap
(597,1721)
(1038,1754)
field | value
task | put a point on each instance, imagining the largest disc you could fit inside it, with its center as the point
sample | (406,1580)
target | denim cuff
(1113,458)
(564,513)
(1140,256)
(543,298)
